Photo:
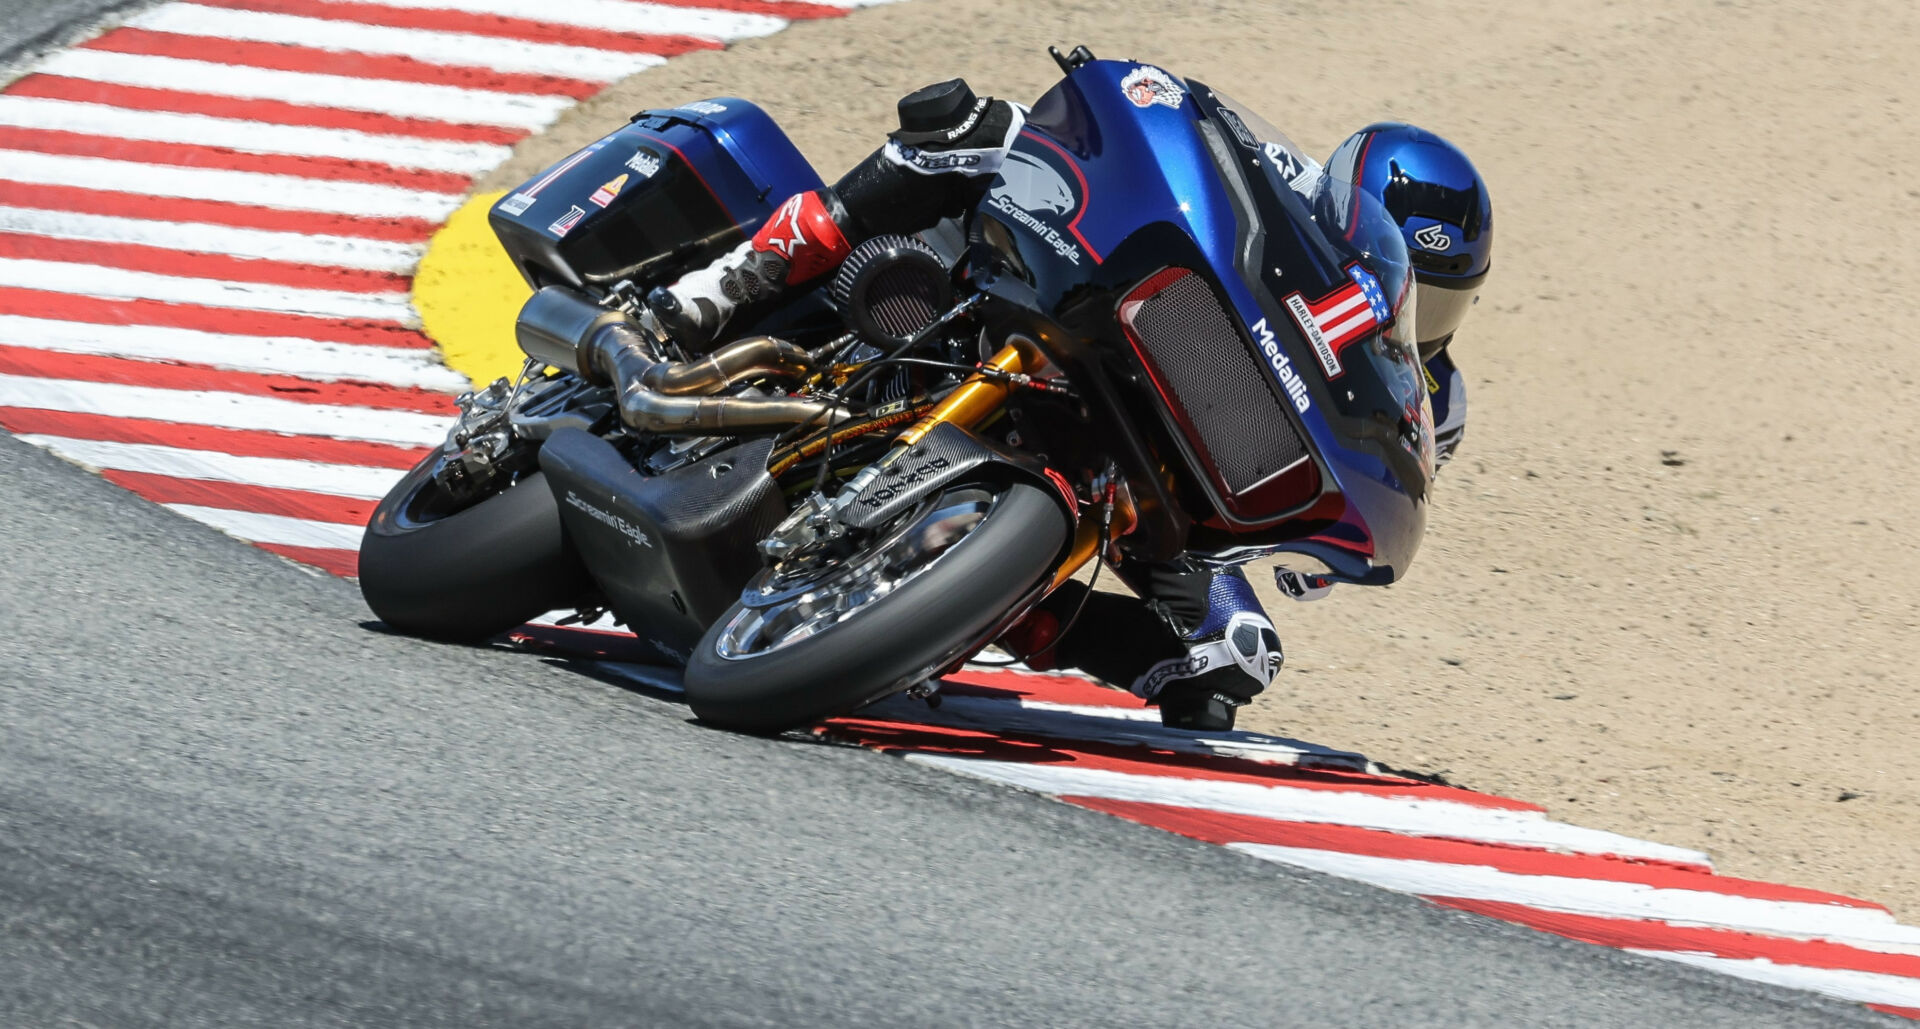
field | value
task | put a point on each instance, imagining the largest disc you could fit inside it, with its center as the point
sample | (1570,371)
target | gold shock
(1086,536)
(1086,544)
(979,396)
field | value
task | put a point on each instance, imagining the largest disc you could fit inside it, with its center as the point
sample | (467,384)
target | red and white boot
(801,242)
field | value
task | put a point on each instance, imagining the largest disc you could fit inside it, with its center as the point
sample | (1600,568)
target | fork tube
(976,398)
(1086,544)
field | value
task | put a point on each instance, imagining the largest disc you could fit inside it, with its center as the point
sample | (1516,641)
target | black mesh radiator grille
(1221,393)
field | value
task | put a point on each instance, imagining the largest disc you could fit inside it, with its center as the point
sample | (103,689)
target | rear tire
(925,623)
(474,573)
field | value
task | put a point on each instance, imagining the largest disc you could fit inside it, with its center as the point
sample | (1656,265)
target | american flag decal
(1342,316)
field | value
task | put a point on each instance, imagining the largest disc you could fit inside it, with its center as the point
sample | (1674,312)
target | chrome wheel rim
(801,610)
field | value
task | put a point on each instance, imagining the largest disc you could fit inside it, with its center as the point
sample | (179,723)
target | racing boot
(1198,649)
(805,239)
(1231,653)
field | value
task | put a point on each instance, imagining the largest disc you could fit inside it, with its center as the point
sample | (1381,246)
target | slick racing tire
(981,550)
(471,573)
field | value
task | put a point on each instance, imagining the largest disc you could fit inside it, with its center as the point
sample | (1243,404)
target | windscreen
(1362,331)
(1376,378)
(1297,170)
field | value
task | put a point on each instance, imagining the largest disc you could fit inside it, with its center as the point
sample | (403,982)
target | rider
(1196,643)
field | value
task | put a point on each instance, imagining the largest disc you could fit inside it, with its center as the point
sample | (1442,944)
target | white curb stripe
(614,16)
(125,284)
(365,199)
(382,96)
(120,283)
(452,48)
(266,528)
(1844,984)
(1124,726)
(608,622)
(1869,928)
(1439,818)
(224,410)
(377,255)
(273,472)
(258,137)
(277,355)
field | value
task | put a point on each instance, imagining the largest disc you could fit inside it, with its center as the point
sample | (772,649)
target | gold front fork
(979,396)
(1086,546)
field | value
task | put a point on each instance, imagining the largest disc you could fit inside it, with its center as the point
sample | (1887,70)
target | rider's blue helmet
(1440,202)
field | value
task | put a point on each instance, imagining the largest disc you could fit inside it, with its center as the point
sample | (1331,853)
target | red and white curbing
(208,221)
(210,216)
(1333,811)
(1301,805)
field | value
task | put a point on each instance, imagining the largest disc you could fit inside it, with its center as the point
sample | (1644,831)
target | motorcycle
(1141,343)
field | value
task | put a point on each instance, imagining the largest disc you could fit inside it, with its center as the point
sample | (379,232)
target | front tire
(472,573)
(837,662)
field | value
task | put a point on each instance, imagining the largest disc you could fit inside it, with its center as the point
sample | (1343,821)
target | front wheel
(915,600)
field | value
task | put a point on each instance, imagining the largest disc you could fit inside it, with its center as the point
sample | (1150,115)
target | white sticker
(565,223)
(644,163)
(1434,237)
(1147,85)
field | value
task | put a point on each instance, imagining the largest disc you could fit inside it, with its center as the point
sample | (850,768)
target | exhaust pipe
(563,328)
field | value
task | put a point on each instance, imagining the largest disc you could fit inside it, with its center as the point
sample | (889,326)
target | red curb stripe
(1725,943)
(344,563)
(1144,761)
(287,57)
(163,261)
(228,496)
(521,29)
(192,155)
(584,644)
(34,303)
(238,442)
(1888,1009)
(1224,828)
(212,212)
(89,368)
(275,112)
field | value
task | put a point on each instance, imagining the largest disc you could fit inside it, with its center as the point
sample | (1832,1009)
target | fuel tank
(673,188)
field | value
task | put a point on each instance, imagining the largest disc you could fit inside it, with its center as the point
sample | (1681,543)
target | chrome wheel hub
(806,595)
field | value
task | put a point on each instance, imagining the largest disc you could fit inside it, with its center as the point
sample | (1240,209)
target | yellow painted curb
(468,293)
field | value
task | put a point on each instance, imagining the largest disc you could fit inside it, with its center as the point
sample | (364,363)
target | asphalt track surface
(225,800)
(37,24)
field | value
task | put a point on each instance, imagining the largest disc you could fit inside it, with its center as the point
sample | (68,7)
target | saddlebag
(670,190)
(671,552)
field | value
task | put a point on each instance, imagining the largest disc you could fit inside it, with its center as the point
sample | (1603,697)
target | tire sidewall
(474,573)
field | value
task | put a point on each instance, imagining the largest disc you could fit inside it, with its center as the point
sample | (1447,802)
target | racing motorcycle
(1126,352)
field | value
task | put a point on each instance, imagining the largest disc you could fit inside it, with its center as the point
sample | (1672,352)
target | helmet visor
(1443,305)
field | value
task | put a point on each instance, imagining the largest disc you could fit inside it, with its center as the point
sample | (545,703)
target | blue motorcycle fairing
(1102,192)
